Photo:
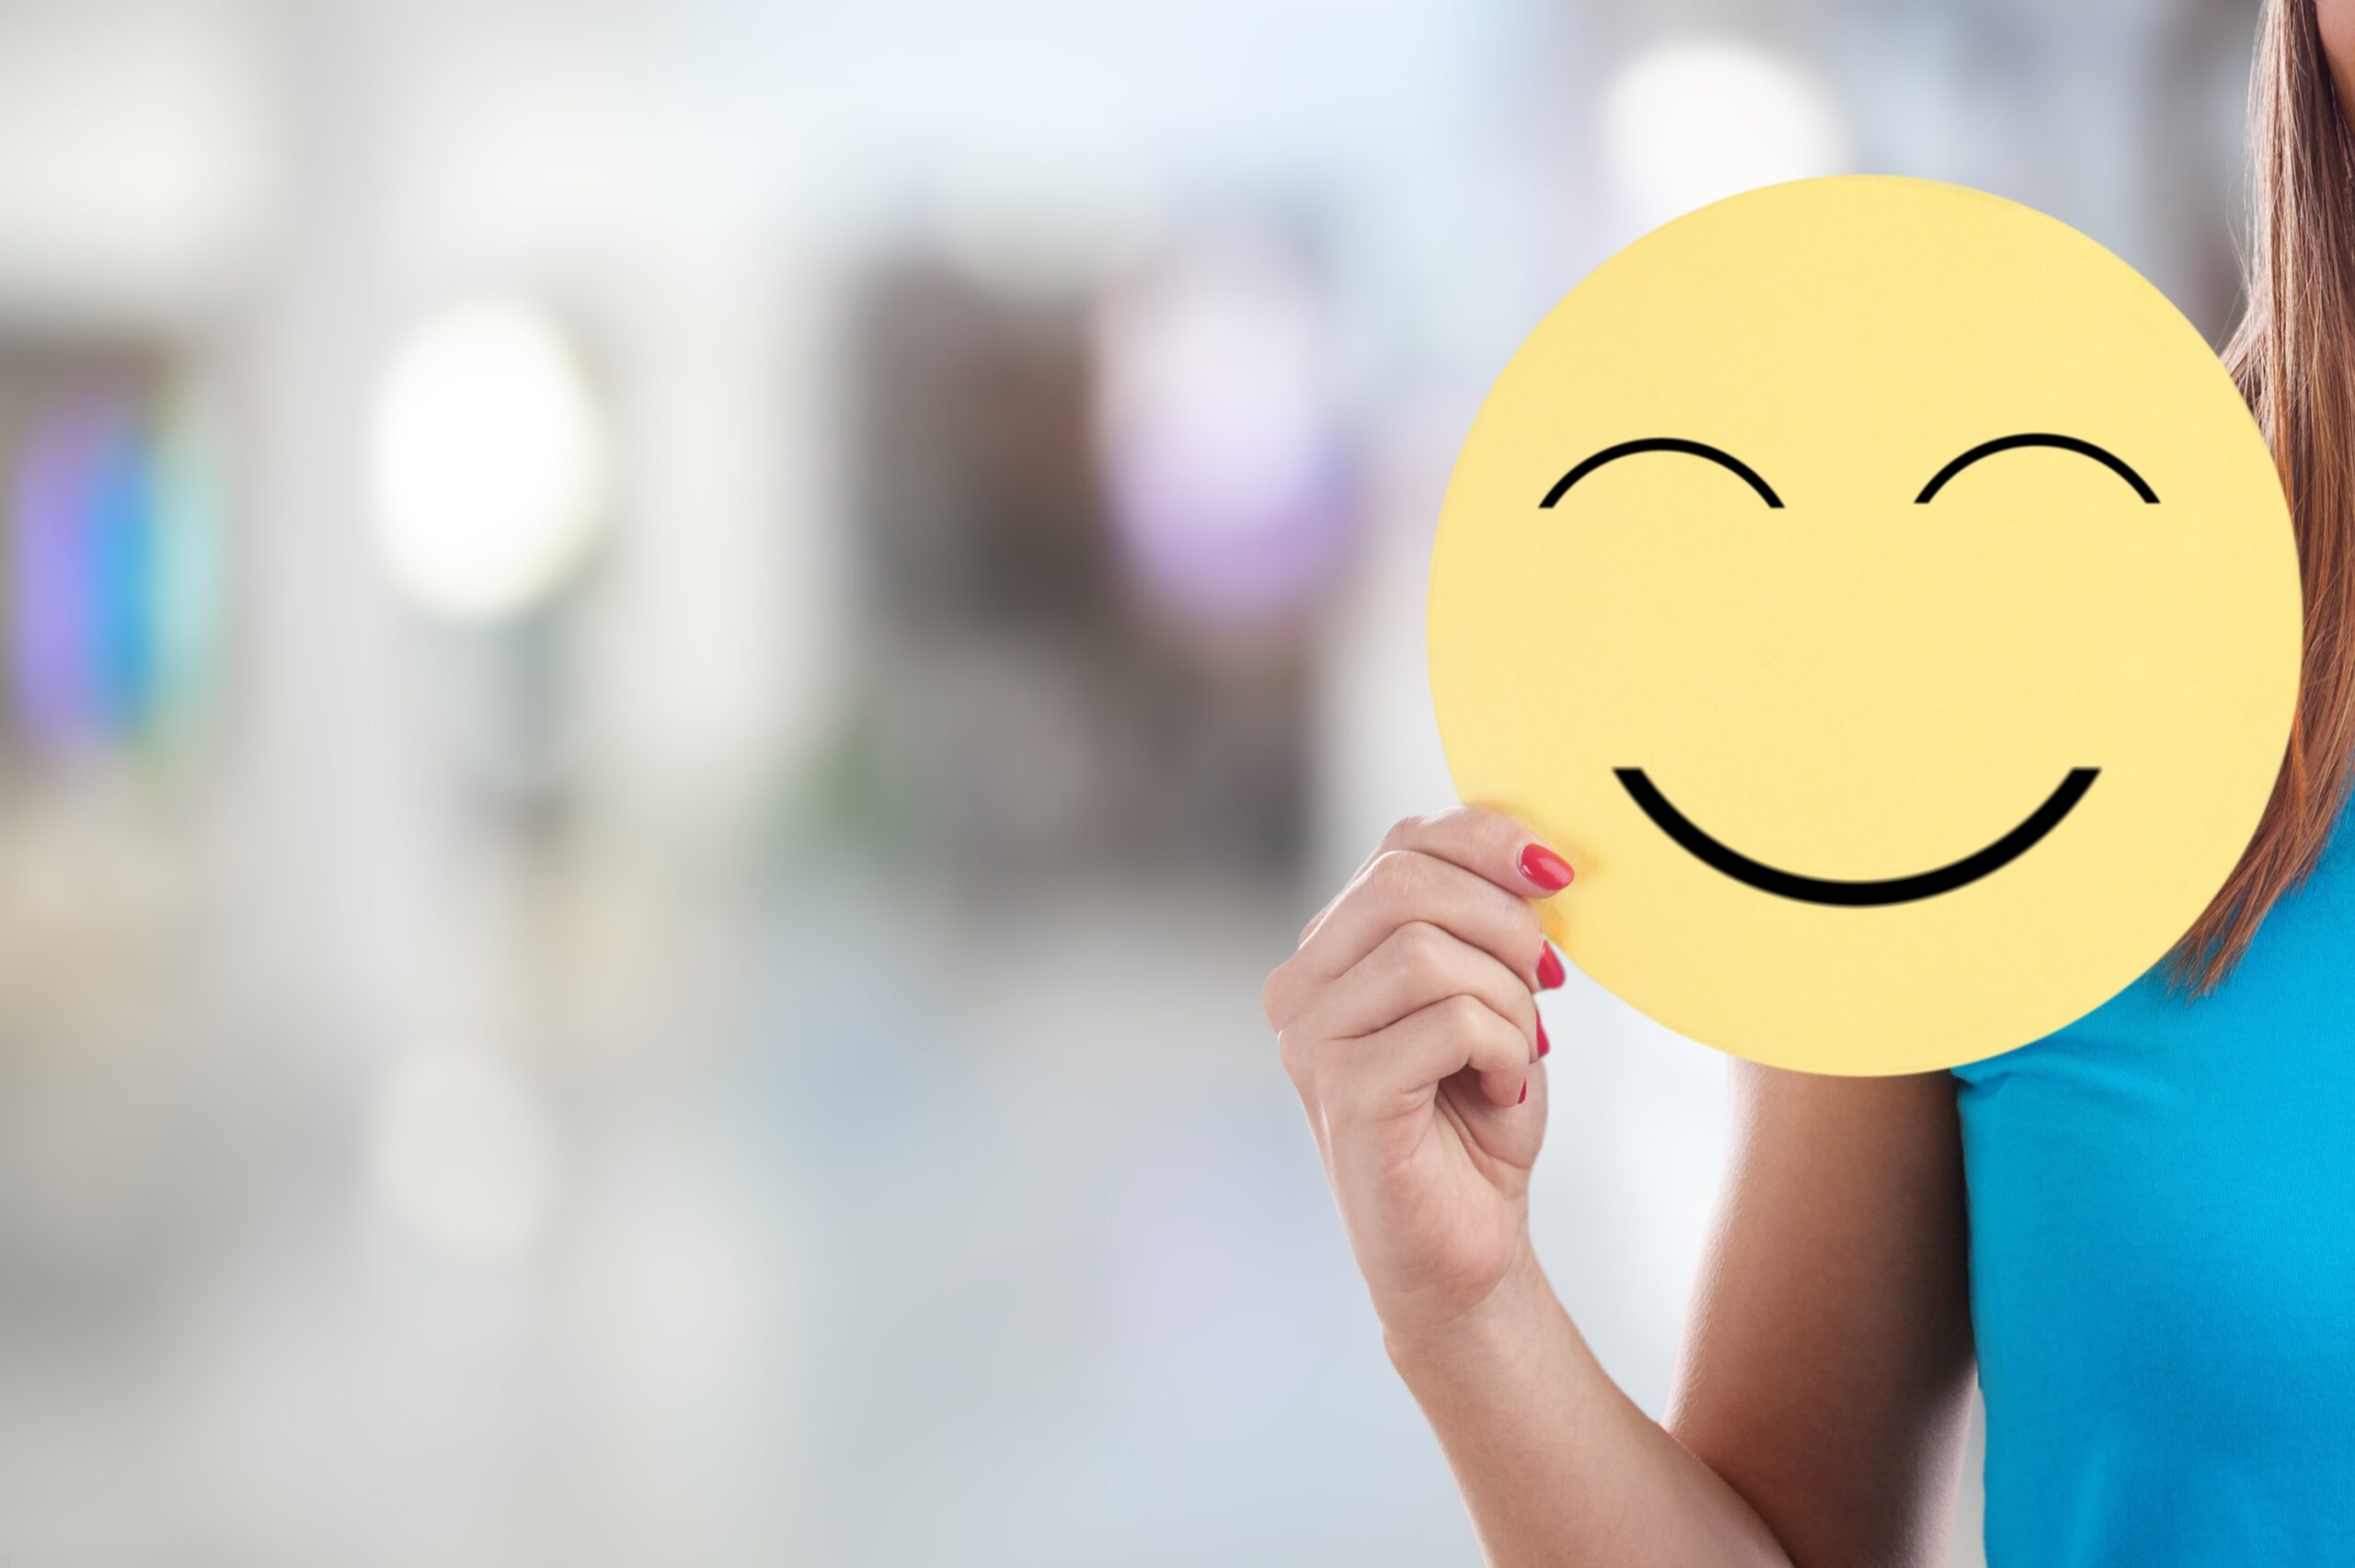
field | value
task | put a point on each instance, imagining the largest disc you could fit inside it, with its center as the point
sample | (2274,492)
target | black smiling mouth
(1857,894)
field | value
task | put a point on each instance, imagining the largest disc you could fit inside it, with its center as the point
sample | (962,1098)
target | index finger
(1484,841)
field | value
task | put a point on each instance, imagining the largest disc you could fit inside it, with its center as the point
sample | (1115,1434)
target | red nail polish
(1543,1044)
(1545,868)
(1524,1093)
(1550,972)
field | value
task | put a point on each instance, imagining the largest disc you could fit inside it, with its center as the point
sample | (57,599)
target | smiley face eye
(2108,459)
(1725,460)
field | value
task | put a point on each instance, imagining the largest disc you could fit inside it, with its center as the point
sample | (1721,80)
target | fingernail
(1550,972)
(1543,1044)
(1545,868)
(1524,1093)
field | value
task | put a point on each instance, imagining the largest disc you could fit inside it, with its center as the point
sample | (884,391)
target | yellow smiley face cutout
(1883,596)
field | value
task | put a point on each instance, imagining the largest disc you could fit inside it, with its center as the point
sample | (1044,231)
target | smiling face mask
(1882,595)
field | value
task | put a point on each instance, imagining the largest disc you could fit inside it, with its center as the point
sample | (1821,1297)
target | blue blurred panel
(120,508)
(184,580)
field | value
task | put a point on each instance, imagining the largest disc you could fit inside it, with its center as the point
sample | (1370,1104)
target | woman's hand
(1835,1307)
(1407,1023)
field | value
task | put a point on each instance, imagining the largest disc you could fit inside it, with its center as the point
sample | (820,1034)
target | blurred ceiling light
(488,460)
(1698,119)
(1227,481)
(463,1156)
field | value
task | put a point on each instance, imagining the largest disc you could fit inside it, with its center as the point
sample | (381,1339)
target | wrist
(1510,1317)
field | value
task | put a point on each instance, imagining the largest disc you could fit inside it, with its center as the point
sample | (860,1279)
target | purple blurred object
(53,667)
(1230,491)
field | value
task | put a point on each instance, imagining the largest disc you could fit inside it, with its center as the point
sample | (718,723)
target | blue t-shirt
(2162,1264)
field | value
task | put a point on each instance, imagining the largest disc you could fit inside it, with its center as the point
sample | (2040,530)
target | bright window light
(1695,120)
(488,460)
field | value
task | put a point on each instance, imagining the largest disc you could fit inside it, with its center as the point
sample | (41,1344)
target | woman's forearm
(1556,1464)
(1408,1020)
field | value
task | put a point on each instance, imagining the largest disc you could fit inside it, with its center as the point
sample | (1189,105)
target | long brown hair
(2294,356)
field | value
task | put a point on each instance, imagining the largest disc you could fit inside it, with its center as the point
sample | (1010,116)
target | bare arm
(1821,1403)
(1828,1364)
(1558,1466)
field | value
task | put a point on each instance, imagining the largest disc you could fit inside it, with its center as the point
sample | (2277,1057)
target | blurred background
(671,669)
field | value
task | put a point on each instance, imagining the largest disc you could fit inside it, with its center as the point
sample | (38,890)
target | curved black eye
(2102,455)
(1725,460)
